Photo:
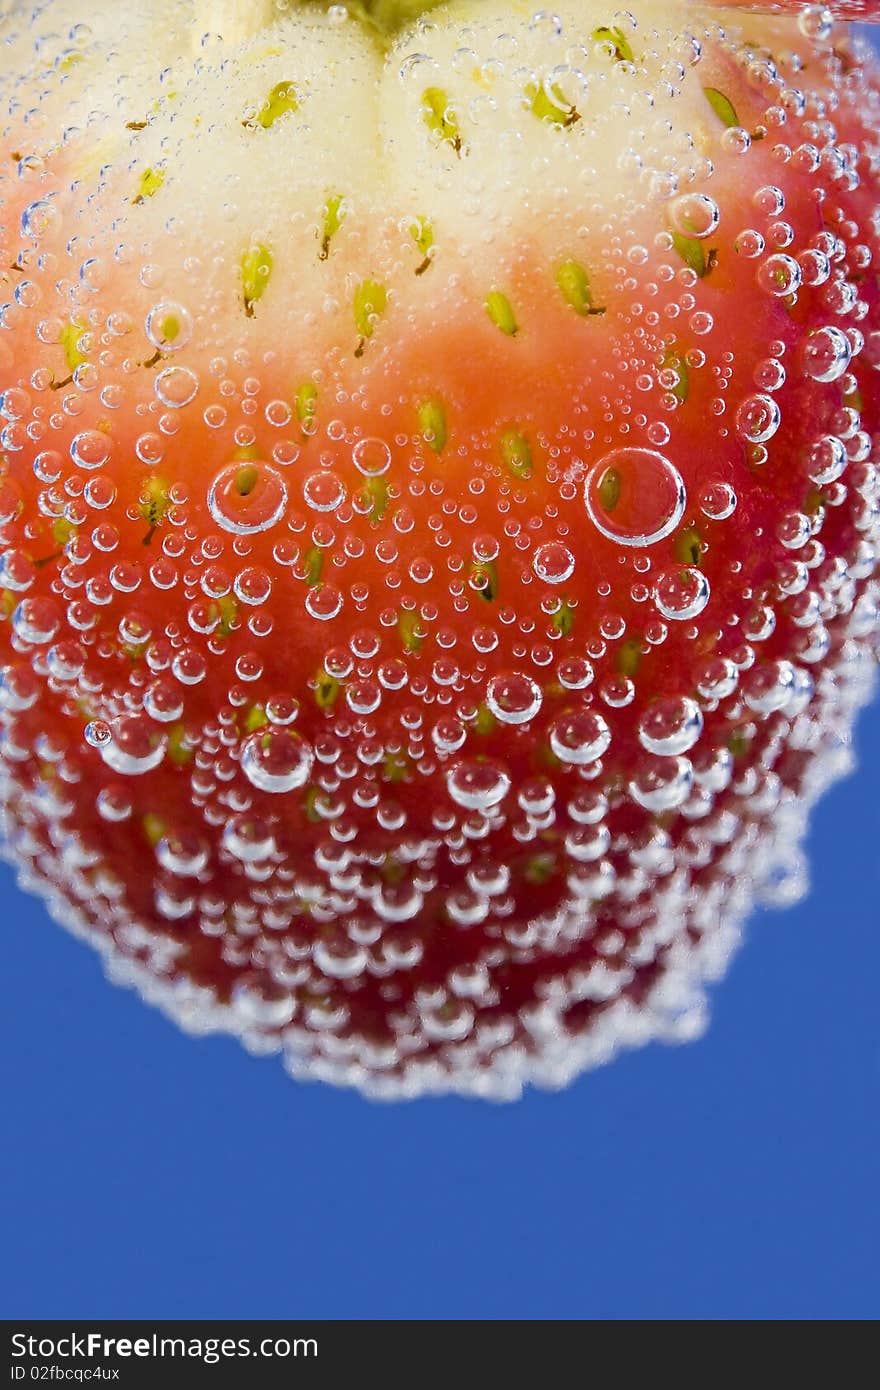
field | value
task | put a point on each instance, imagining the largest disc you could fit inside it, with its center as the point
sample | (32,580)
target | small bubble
(635,496)
(90,449)
(513,698)
(276,760)
(681,592)
(176,386)
(324,492)
(718,501)
(247,497)
(826,354)
(825,459)
(168,326)
(553,563)
(324,601)
(758,418)
(478,786)
(248,839)
(671,726)
(131,745)
(695,214)
(580,737)
(779,275)
(371,456)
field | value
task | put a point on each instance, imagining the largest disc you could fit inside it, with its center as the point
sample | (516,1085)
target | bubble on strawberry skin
(635,496)
(276,760)
(514,698)
(247,497)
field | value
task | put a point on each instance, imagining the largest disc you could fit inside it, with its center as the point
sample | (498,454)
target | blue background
(148,1175)
(152,1175)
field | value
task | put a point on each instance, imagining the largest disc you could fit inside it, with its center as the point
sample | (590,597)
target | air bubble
(276,760)
(168,326)
(553,563)
(579,737)
(131,746)
(176,386)
(371,456)
(323,602)
(478,786)
(91,449)
(758,418)
(695,215)
(324,492)
(247,497)
(671,726)
(681,592)
(718,501)
(514,698)
(635,496)
(826,354)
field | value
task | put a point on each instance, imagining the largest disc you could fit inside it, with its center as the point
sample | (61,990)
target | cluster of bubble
(453,847)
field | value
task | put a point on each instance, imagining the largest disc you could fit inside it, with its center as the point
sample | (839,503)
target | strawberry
(438,508)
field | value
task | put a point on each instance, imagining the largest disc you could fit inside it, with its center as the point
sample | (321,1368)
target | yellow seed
(306,403)
(689,546)
(550,105)
(611,34)
(69,338)
(722,106)
(256,718)
(149,183)
(377,490)
(500,311)
(332,219)
(563,619)
(609,489)
(432,418)
(629,656)
(694,253)
(439,117)
(516,453)
(410,630)
(256,269)
(154,503)
(370,303)
(179,750)
(282,98)
(674,361)
(314,566)
(422,234)
(327,690)
(154,828)
(574,286)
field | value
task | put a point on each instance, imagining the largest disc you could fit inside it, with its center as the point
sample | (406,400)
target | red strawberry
(438,507)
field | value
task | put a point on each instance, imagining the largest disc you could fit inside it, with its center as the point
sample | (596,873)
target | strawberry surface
(438,510)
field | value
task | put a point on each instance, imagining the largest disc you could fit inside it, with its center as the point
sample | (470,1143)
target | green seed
(422,234)
(722,106)
(282,98)
(609,489)
(516,453)
(370,302)
(306,403)
(149,183)
(439,117)
(432,418)
(574,286)
(333,217)
(610,34)
(551,105)
(500,311)
(694,253)
(256,269)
